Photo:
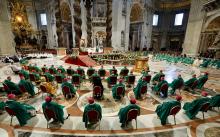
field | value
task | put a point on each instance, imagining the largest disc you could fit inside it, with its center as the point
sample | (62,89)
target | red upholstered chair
(132,114)
(164,89)
(59,79)
(204,108)
(66,91)
(143,90)
(148,78)
(112,81)
(97,92)
(131,80)
(120,91)
(10,112)
(194,85)
(49,114)
(93,117)
(20,74)
(22,88)
(43,90)
(174,111)
(102,73)
(124,73)
(76,81)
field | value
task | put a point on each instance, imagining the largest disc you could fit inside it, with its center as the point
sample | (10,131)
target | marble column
(194,28)
(7,45)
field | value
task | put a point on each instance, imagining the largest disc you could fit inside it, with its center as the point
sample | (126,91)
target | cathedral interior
(147,68)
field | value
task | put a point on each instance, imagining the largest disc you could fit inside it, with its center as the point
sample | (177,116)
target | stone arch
(210,20)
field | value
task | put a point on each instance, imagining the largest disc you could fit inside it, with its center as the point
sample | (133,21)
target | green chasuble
(12,87)
(60,74)
(37,76)
(201,81)
(49,76)
(71,87)
(21,111)
(215,101)
(62,69)
(124,69)
(36,68)
(137,89)
(190,82)
(163,110)
(25,74)
(90,107)
(175,84)
(28,86)
(2,106)
(114,90)
(124,111)
(157,77)
(158,86)
(54,70)
(58,110)
(192,108)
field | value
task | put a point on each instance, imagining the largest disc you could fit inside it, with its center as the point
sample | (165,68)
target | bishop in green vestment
(113,70)
(114,90)
(36,68)
(157,87)
(163,110)
(59,73)
(13,88)
(124,69)
(189,82)
(44,67)
(82,70)
(69,85)
(23,112)
(156,78)
(24,73)
(56,108)
(37,76)
(53,68)
(137,89)
(91,106)
(112,74)
(62,69)
(102,69)
(202,80)
(192,108)
(29,87)
(215,101)
(175,84)
(123,112)
(49,76)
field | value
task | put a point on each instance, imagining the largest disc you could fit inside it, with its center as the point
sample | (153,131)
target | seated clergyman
(24,73)
(91,106)
(175,84)
(114,90)
(69,85)
(137,89)
(13,88)
(61,69)
(190,82)
(157,77)
(215,101)
(192,108)
(157,87)
(123,112)
(23,112)
(29,87)
(163,110)
(202,80)
(56,108)
(49,76)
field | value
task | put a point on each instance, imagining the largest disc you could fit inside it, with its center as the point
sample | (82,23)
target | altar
(140,64)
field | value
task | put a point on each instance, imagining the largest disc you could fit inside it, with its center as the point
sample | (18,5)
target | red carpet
(81,60)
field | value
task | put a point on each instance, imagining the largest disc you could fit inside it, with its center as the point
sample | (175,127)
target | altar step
(81,60)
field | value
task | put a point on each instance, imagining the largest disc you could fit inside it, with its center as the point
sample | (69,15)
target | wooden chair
(10,112)
(97,92)
(76,81)
(131,80)
(204,108)
(164,89)
(124,72)
(93,117)
(119,91)
(66,92)
(112,81)
(49,114)
(102,73)
(132,114)
(174,111)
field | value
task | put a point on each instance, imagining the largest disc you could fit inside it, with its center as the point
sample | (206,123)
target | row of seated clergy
(191,108)
(24,112)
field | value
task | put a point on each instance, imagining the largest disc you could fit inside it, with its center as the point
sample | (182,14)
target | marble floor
(147,123)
